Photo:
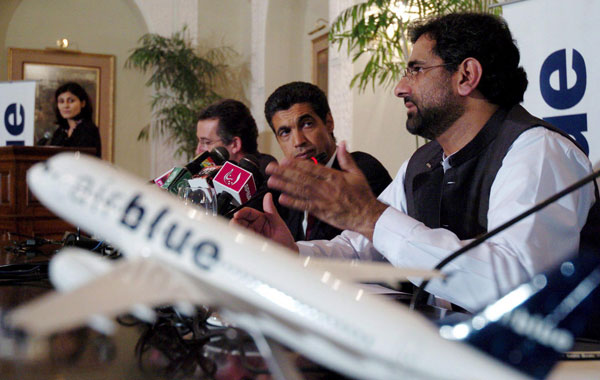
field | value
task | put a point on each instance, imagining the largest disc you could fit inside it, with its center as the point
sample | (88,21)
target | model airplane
(177,256)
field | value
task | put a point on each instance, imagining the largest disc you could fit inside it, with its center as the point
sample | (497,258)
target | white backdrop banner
(17,111)
(558,41)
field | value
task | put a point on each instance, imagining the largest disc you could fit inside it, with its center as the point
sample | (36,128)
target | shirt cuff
(392,225)
(305,248)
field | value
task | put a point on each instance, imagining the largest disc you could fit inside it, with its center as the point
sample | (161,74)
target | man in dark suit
(299,115)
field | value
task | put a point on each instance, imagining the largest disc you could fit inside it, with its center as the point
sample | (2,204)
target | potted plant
(184,79)
(378,29)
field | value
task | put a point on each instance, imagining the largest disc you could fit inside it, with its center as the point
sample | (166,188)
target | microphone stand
(418,295)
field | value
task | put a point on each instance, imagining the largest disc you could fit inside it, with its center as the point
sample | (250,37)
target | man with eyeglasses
(230,124)
(488,161)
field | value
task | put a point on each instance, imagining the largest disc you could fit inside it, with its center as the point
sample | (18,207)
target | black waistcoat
(458,199)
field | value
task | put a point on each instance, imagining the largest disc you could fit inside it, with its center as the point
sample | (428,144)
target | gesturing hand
(268,223)
(340,198)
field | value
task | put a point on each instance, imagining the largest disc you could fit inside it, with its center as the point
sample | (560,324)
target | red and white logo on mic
(236,181)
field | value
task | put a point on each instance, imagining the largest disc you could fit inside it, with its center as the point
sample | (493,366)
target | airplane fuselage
(261,284)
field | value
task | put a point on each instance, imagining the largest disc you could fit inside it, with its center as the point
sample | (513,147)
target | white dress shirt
(539,164)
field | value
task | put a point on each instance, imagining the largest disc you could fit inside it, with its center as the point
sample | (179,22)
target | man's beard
(433,120)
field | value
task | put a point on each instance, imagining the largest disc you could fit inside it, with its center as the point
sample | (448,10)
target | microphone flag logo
(236,181)
(229,178)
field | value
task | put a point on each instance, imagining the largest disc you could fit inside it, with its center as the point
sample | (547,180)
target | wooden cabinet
(20,211)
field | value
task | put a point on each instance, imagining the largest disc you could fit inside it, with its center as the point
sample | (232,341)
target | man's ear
(236,145)
(329,122)
(469,74)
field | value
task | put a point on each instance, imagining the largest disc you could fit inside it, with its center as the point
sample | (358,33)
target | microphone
(161,179)
(224,204)
(258,195)
(217,156)
(418,295)
(179,175)
(250,163)
(235,181)
(45,139)
(205,177)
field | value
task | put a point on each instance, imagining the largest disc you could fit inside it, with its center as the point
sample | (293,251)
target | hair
(486,38)
(235,120)
(292,93)
(79,92)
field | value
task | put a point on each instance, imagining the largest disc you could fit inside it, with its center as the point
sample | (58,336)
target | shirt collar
(330,162)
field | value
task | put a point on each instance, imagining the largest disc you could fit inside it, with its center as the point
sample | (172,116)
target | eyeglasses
(412,71)
(205,143)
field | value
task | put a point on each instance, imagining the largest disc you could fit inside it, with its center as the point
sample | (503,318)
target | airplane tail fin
(533,325)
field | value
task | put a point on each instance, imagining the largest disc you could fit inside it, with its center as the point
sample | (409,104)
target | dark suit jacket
(85,134)
(378,178)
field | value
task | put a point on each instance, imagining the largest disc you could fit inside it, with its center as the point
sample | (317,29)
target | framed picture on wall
(51,68)
(320,61)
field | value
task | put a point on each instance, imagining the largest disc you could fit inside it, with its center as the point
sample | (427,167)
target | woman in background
(74,117)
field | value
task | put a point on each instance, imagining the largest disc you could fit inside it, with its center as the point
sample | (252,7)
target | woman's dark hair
(486,38)
(235,119)
(79,92)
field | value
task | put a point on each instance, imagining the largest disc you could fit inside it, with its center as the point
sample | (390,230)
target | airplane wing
(73,267)
(143,282)
(369,271)
(135,285)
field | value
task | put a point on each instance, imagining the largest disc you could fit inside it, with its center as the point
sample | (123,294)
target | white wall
(284,56)
(379,127)
(7,9)
(369,121)
(227,23)
(373,122)
(104,27)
